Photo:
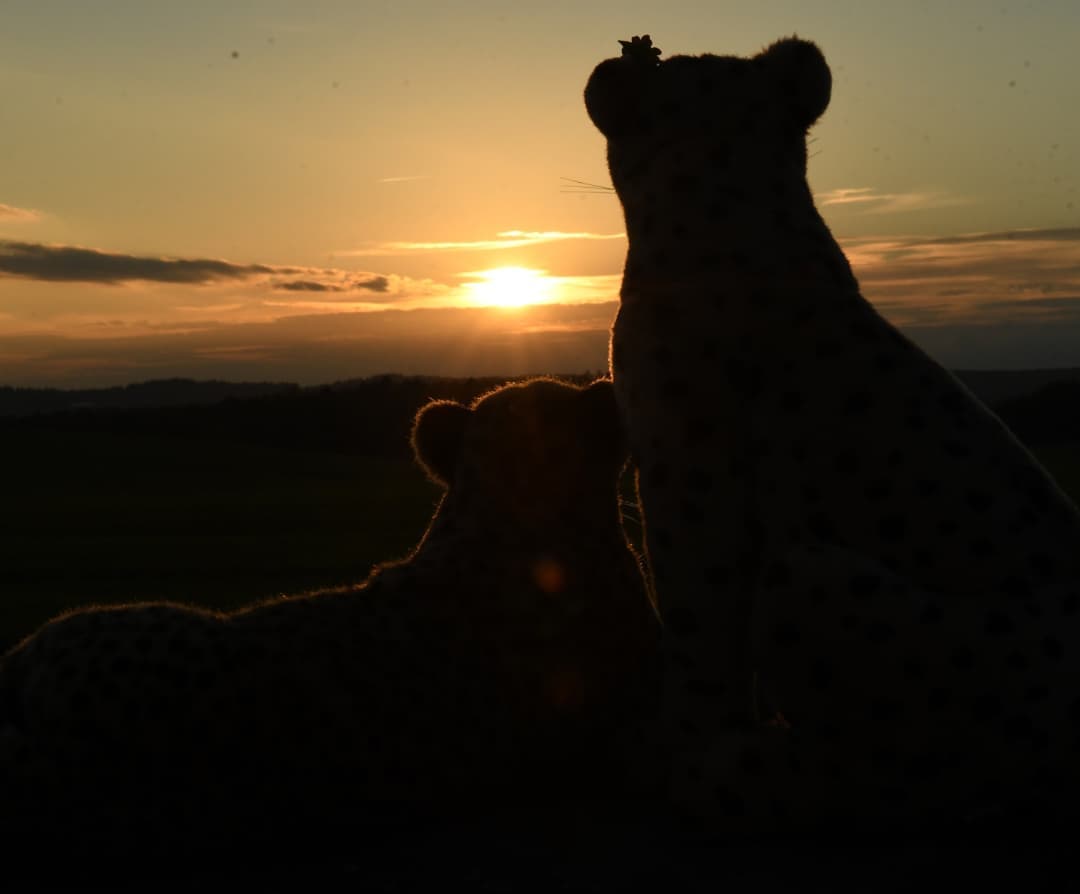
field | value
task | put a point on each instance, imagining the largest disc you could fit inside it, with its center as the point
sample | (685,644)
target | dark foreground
(590,852)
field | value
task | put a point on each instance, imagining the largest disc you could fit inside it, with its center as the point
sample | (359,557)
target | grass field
(100,518)
(94,518)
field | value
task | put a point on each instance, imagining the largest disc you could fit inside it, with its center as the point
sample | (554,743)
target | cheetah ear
(613,95)
(801,75)
(603,421)
(436,438)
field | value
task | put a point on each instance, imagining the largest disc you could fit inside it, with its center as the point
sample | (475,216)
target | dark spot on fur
(720,155)
(924,487)
(717,577)
(1036,693)
(999,624)
(683,183)
(912,670)
(938,698)
(982,548)
(956,449)
(879,633)
(659,475)
(821,527)
(692,513)
(706,689)
(962,658)
(778,575)
(931,614)
(786,634)
(1018,727)
(1016,587)
(751,762)
(986,707)
(1042,564)
(1017,661)
(892,528)
(885,709)
(885,363)
(1052,648)
(858,403)
(863,586)
(847,463)
(728,802)
(791,401)
(879,489)
(680,621)
(821,674)
(830,347)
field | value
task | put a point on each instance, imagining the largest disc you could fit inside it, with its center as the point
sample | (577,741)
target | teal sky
(350,160)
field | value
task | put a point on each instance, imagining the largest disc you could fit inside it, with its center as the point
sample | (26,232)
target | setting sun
(509,287)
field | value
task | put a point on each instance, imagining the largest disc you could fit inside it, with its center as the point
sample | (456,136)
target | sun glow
(509,287)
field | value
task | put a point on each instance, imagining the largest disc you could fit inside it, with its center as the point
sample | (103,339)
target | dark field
(225,504)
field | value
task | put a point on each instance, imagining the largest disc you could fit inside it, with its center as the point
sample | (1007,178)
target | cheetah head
(686,129)
(533,452)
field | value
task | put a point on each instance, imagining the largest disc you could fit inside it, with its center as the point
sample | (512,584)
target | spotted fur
(837,529)
(504,661)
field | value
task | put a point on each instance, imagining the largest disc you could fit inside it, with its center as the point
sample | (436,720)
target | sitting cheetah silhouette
(837,530)
(507,661)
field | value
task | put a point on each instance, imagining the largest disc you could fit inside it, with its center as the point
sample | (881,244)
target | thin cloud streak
(505,239)
(871,202)
(23,215)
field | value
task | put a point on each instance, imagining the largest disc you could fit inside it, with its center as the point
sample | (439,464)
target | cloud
(406,179)
(872,202)
(66,263)
(505,239)
(374,284)
(11,213)
(1001,277)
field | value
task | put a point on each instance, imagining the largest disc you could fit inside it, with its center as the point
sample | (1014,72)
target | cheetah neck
(727,236)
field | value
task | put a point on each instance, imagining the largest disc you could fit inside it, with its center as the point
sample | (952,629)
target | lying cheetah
(502,662)
(836,528)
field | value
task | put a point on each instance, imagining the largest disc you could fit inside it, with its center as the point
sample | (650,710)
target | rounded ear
(612,95)
(603,421)
(802,76)
(437,433)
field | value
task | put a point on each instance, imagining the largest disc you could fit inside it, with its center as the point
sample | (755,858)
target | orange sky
(260,190)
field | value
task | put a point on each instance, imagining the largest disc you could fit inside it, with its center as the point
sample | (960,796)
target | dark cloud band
(65,263)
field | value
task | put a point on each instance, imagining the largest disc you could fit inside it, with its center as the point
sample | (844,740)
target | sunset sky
(321,190)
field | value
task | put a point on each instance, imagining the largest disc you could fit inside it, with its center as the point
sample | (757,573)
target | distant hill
(368,417)
(991,386)
(160,393)
(996,385)
(373,417)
